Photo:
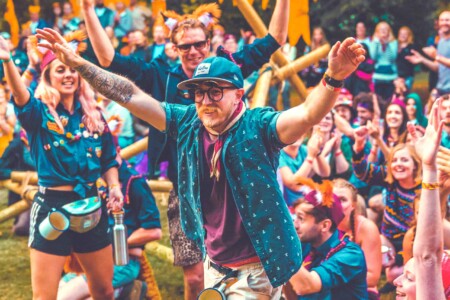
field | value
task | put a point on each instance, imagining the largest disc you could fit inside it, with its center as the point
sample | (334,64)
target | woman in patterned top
(400,179)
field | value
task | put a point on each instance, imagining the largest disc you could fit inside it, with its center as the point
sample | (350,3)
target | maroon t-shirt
(226,239)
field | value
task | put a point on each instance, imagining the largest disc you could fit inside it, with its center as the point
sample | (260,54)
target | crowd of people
(314,201)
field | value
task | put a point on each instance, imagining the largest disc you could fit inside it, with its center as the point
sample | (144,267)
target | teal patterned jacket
(250,159)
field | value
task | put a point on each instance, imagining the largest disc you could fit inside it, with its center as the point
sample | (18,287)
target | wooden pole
(20,206)
(19,176)
(14,210)
(300,63)
(126,153)
(162,252)
(261,93)
(161,186)
(260,30)
(12,186)
(134,149)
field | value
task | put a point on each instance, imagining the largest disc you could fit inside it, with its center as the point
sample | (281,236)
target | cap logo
(202,69)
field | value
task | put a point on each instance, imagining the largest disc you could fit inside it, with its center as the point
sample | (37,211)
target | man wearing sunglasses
(191,40)
(230,203)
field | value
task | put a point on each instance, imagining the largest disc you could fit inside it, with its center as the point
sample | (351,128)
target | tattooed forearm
(112,86)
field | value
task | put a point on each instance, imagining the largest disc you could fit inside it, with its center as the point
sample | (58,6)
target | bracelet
(114,185)
(8,60)
(430,186)
(27,74)
(329,87)
(338,153)
(309,160)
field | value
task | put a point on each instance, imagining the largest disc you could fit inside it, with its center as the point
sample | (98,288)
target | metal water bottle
(120,246)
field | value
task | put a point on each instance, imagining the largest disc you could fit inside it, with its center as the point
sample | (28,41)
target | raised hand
(4,49)
(344,58)
(428,145)
(415,58)
(338,138)
(373,129)
(443,162)
(86,4)
(314,144)
(360,135)
(57,44)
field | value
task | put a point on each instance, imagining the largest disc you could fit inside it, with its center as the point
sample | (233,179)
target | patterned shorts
(186,252)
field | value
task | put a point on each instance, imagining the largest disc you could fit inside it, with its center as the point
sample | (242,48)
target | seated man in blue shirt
(334,267)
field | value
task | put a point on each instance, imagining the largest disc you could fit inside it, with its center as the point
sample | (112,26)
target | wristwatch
(331,83)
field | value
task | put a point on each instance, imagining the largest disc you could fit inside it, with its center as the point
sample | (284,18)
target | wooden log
(14,210)
(300,63)
(134,149)
(163,186)
(261,93)
(12,186)
(19,176)
(126,153)
(260,30)
(162,252)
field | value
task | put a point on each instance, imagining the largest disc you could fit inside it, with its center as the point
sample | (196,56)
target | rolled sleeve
(30,114)
(175,115)
(253,56)
(268,124)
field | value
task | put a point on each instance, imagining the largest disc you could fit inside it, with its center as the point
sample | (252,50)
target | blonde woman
(71,147)
(384,51)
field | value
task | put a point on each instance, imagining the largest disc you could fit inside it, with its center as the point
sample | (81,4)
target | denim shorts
(69,241)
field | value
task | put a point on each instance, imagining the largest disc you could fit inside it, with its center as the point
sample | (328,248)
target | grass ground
(15,281)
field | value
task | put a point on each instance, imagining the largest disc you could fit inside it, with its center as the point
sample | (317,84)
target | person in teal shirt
(71,147)
(227,158)
(334,267)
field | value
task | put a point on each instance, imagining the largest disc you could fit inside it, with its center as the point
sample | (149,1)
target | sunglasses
(197,45)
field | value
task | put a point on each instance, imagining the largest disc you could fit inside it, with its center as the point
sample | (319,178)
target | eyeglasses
(197,45)
(215,93)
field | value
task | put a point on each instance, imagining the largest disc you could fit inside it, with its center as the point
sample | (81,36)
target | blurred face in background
(444,23)
(67,9)
(403,35)
(230,44)
(326,124)
(445,111)
(360,30)
(159,35)
(394,116)
(364,115)
(411,109)
(344,111)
